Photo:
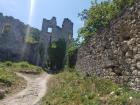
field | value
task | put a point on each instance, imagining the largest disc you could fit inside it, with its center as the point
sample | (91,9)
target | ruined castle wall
(15,47)
(67,30)
(114,52)
(56,33)
(13,39)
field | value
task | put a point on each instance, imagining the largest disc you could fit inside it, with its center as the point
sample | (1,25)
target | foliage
(99,15)
(20,67)
(9,81)
(72,53)
(26,67)
(71,88)
(30,39)
(33,36)
(120,4)
(56,53)
(7,77)
(8,63)
(6,28)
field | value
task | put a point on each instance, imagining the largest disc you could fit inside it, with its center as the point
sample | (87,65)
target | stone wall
(115,51)
(64,32)
(15,47)
(12,33)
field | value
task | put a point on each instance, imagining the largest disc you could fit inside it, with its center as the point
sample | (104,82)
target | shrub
(99,15)
(23,64)
(72,53)
(56,53)
(6,76)
(71,88)
(8,63)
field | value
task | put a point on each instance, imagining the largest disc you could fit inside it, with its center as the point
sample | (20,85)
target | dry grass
(70,88)
(9,81)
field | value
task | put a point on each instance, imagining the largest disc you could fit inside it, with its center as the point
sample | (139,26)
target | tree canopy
(100,14)
(56,53)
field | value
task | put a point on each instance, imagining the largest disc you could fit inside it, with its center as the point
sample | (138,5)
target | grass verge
(21,67)
(9,81)
(70,88)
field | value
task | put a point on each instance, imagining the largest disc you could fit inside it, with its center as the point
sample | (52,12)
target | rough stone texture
(12,39)
(2,94)
(115,51)
(13,44)
(66,33)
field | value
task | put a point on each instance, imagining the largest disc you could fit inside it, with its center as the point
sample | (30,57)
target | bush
(72,56)
(99,15)
(24,65)
(6,77)
(71,88)
(8,63)
(26,68)
(56,53)
(72,53)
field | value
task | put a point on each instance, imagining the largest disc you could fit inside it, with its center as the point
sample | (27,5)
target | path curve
(32,94)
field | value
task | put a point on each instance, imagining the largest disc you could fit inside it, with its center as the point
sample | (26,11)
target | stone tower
(50,28)
(67,30)
(51,31)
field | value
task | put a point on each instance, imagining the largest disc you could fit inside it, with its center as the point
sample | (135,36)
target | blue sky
(61,9)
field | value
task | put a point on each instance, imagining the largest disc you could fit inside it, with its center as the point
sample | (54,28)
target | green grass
(70,88)
(8,69)
(9,81)
(7,77)
(21,67)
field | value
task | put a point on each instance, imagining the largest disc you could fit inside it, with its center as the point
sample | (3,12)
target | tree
(72,53)
(100,14)
(56,54)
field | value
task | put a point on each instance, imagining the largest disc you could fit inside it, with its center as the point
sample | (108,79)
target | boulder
(131,41)
(135,72)
(137,57)
(2,93)
(138,65)
(129,54)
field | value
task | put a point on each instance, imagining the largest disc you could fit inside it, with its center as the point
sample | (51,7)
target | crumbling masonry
(13,33)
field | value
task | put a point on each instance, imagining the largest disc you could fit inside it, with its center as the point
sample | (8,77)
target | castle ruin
(52,32)
(13,39)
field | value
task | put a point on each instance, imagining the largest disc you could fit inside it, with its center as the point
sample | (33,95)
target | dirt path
(32,94)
